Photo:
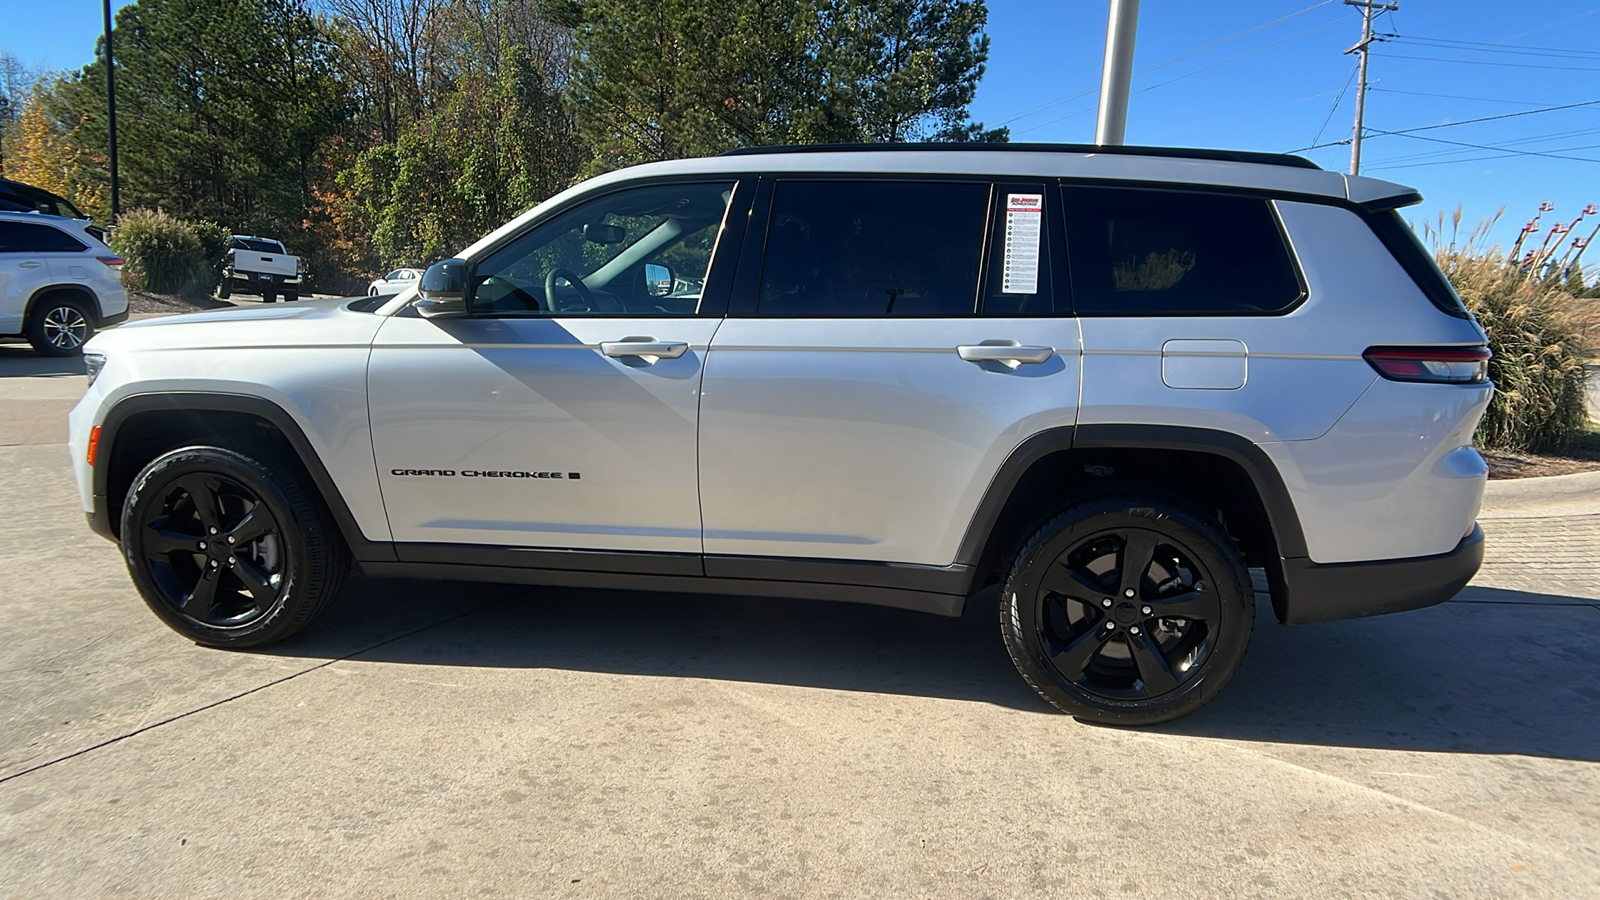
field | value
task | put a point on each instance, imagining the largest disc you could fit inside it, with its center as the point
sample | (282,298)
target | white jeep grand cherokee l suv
(58,282)
(1105,382)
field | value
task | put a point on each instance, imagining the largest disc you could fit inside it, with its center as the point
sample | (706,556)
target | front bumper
(1326,592)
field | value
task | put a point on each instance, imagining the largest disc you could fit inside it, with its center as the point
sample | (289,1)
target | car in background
(258,265)
(394,282)
(59,283)
(15,196)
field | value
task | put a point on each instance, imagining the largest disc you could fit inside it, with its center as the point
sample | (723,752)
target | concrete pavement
(454,740)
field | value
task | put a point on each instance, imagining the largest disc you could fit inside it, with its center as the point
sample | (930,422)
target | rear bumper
(114,318)
(1327,592)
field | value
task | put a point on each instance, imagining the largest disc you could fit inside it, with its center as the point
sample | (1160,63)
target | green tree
(223,108)
(658,79)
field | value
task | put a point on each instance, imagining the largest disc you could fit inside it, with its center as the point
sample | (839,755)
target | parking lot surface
(437,739)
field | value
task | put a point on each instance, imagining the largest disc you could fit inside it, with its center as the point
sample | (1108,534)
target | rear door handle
(1008,353)
(647,350)
(30,264)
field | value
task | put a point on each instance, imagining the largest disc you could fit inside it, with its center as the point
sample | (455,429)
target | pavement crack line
(258,688)
(1406,802)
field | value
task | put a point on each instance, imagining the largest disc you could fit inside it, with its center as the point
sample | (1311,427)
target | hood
(300,324)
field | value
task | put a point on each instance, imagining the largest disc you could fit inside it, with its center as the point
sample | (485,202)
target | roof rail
(1246,156)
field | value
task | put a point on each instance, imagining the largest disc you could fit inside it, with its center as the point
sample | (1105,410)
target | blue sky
(1251,87)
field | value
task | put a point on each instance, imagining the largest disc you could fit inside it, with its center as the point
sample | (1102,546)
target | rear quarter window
(26,237)
(1146,252)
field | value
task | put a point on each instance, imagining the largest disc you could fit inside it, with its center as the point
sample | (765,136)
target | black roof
(1248,156)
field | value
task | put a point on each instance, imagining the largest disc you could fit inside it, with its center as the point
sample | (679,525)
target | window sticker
(1024,221)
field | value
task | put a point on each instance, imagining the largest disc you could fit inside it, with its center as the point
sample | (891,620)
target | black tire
(268,295)
(1096,651)
(291,296)
(59,325)
(273,576)
(226,288)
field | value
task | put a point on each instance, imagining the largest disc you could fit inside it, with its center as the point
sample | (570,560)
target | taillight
(299,265)
(114,263)
(1432,365)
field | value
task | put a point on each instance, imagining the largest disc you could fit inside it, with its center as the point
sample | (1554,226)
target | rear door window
(874,249)
(25,237)
(1150,252)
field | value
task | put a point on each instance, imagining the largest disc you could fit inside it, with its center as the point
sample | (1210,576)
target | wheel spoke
(1068,582)
(1154,670)
(256,523)
(1196,605)
(202,492)
(198,605)
(1073,658)
(255,581)
(1138,550)
(160,543)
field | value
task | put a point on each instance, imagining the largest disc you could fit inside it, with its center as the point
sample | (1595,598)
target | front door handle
(647,350)
(1008,353)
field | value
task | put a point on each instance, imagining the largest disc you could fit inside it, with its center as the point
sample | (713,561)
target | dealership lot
(452,739)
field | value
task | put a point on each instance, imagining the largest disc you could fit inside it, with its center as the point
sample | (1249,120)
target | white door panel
(605,446)
(868,439)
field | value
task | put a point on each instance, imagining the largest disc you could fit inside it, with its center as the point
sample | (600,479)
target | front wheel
(228,550)
(1128,609)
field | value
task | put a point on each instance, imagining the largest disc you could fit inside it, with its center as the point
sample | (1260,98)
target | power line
(1336,101)
(1454,96)
(1418,137)
(1445,162)
(1536,139)
(1525,112)
(1161,65)
(1485,62)
(1480,47)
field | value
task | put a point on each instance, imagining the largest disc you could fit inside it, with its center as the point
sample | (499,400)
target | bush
(167,255)
(1539,354)
(1538,331)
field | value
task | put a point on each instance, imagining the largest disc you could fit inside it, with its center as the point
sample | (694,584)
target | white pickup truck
(257,265)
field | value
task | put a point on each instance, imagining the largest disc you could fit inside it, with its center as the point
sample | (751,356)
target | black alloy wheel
(1128,610)
(214,549)
(59,327)
(229,549)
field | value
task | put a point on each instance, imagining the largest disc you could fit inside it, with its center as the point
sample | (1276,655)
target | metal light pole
(111,117)
(1117,72)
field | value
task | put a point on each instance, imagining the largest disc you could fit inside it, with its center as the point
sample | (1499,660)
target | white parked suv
(58,283)
(1102,384)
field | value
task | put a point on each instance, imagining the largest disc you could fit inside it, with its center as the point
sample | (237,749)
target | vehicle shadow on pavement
(808,643)
(1510,673)
(20,361)
(1495,671)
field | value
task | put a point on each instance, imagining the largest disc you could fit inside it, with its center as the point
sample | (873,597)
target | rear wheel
(1128,609)
(268,295)
(229,550)
(291,296)
(59,326)
(225,288)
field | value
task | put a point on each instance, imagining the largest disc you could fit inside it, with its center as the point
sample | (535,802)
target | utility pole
(111,117)
(1112,122)
(1367,6)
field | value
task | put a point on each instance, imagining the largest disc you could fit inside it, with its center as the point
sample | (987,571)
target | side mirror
(657,280)
(443,291)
